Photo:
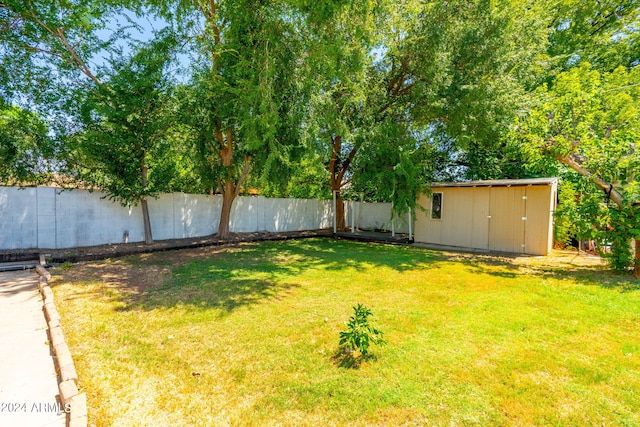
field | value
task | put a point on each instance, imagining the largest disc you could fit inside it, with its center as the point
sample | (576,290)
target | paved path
(28,381)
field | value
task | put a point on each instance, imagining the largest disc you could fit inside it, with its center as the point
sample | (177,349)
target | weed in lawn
(356,339)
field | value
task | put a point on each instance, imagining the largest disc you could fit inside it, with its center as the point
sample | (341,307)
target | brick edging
(70,396)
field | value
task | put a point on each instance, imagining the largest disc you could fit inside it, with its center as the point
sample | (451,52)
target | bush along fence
(51,218)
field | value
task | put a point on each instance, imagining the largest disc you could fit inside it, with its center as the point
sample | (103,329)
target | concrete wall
(46,217)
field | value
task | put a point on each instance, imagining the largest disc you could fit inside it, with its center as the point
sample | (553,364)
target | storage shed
(502,215)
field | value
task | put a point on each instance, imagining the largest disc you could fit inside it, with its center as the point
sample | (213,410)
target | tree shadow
(243,275)
(604,278)
(351,359)
(229,278)
(225,296)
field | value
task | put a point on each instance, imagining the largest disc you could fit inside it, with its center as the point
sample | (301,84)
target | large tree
(584,117)
(396,79)
(589,121)
(242,102)
(359,83)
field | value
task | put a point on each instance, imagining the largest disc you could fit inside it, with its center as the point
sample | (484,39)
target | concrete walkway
(28,380)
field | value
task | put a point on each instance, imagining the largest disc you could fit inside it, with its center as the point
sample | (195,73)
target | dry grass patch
(248,335)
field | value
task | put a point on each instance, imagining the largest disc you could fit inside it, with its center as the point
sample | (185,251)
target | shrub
(359,334)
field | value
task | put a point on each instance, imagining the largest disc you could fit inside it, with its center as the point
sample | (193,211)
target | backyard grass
(249,335)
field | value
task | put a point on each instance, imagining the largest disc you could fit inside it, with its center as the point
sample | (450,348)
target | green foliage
(359,334)
(66,266)
(473,62)
(308,179)
(603,33)
(394,166)
(242,106)
(582,213)
(123,149)
(589,121)
(624,225)
(26,150)
(47,47)
(620,257)
(565,214)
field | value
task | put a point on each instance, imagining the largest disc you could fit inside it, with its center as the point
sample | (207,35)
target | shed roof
(498,183)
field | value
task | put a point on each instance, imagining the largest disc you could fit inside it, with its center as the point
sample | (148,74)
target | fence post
(360,211)
(353,216)
(393,223)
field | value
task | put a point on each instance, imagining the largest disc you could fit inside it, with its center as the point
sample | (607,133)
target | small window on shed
(436,206)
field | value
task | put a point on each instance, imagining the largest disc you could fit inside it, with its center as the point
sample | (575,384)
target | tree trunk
(228,196)
(146,220)
(148,237)
(614,195)
(229,187)
(340,221)
(337,171)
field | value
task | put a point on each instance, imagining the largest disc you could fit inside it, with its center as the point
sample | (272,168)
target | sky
(138,28)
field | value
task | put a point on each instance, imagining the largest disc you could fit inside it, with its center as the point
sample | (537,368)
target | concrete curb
(74,402)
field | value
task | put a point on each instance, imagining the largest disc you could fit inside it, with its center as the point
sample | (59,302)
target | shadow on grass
(352,359)
(225,296)
(251,273)
(618,281)
(229,278)
(569,268)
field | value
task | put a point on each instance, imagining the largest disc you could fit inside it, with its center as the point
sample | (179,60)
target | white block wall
(18,218)
(46,217)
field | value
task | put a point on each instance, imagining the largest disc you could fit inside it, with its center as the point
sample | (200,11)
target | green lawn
(249,335)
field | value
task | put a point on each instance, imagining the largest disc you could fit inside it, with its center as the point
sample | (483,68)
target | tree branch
(243,176)
(607,187)
(59,35)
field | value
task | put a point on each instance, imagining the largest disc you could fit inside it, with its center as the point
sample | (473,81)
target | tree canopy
(294,97)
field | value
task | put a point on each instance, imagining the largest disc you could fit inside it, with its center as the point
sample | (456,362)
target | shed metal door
(507,223)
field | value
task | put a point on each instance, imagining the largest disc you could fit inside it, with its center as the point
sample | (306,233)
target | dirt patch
(152,264)
(135,274)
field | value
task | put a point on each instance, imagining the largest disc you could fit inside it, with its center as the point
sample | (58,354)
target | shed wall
(516,219)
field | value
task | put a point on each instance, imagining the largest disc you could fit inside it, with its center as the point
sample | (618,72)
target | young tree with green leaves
(112,119)
(122,146)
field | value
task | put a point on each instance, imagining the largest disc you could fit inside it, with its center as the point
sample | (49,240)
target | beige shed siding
(464,220)
(510,218)
(480,218)
(506,226)
(540,208)
(457,216)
